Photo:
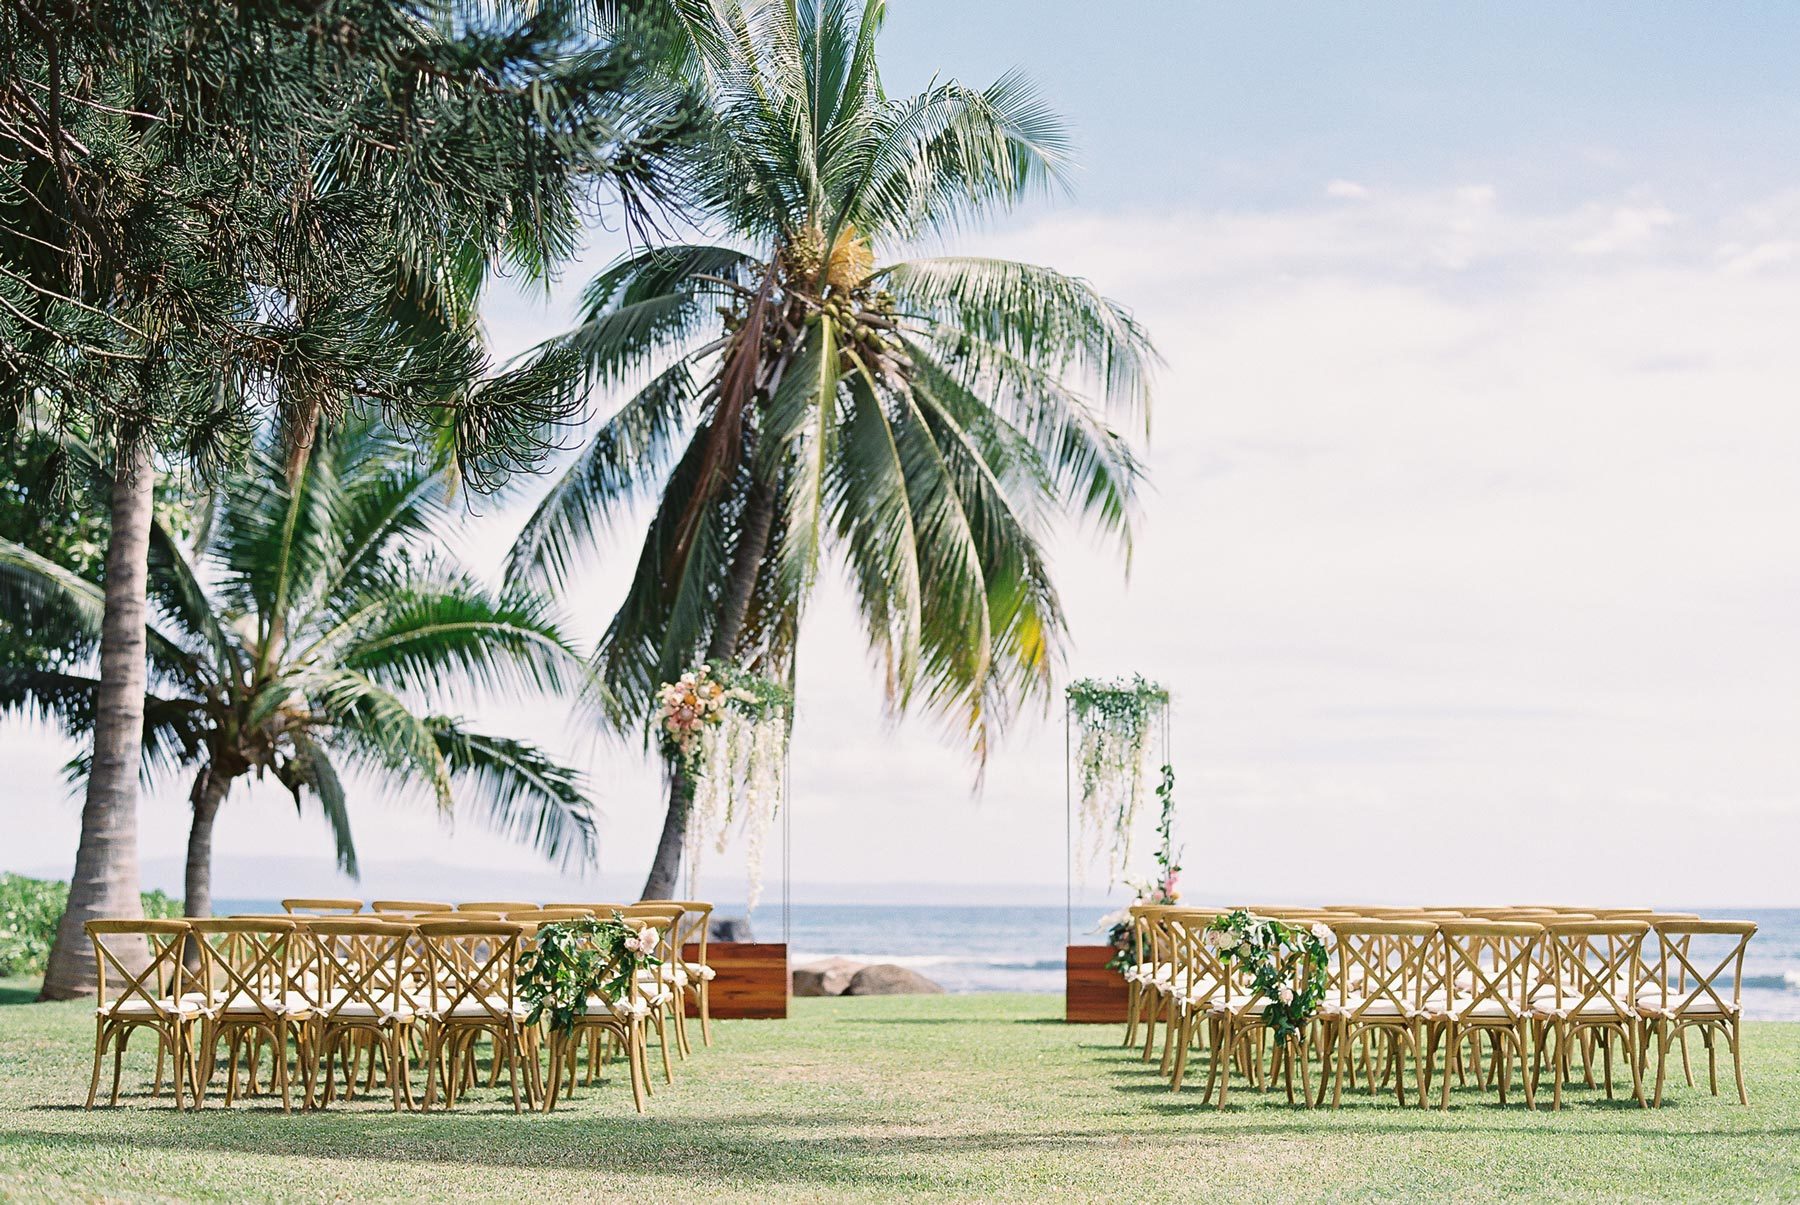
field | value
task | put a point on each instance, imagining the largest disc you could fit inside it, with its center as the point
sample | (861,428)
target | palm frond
(520,792)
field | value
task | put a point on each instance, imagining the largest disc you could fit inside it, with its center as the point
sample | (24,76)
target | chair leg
(705,1013)
(1735,1032)
(99,1050)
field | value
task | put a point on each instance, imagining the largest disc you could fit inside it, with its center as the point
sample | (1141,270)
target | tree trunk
(746,564)
(209,793)
(105,882)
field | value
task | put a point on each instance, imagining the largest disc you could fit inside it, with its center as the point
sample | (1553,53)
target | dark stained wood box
(1093,993)
(750,978)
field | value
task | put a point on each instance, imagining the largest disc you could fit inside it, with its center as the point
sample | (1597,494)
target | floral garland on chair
(727,728)
(574,961)
(1115,719)
(1273,955)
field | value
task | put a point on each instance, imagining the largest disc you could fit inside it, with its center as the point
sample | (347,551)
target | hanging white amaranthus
(1115,722)
(728,728)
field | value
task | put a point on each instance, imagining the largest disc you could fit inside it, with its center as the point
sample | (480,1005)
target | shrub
(29,912)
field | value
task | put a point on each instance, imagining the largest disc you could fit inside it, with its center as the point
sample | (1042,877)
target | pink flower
(1286,994)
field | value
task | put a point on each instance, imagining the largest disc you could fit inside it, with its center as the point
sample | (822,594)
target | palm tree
(925,417)
(309,629)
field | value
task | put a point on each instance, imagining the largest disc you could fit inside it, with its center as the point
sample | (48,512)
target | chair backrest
(1595,964)
(1693,993)
(1382,965)
(247,962)
(694,926)
(410,906)
(363,968)
(498,907)
(322,907)
(534,916)
(474,966)
(1487,966)
(1199,971)
(666,917)
(596,909)
(144,958)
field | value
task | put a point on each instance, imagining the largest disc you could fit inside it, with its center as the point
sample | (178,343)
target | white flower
(1321,931)
(648,937)
(631,942)
(1228,941)
(1286,994)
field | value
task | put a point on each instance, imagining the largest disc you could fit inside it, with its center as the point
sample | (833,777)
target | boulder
(886,979)
(729,928)
(827,977)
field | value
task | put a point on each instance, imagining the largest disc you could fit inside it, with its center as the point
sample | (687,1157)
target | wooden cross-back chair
(501,906)
(620,1021)
(247,972)
(693,928)
(1156,975)
(140,975)
(1237,1029)
(1199,984)
(369,993)
(1696,999)
(1591,997)
(669,977)
(1377,993)
(1485,976)
(473,989)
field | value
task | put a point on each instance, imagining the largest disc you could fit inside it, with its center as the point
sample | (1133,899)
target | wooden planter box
(1093,993)
(750,979)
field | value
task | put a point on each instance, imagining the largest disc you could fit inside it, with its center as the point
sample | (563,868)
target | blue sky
(1468,548)
(1233,105)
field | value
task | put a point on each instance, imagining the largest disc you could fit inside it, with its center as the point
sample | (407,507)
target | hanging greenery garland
(1115,719)
(728,730)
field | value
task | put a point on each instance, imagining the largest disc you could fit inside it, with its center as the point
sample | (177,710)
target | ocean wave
(1783,981)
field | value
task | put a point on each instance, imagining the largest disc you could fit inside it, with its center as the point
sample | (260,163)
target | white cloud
(1346,190)
(1627,228)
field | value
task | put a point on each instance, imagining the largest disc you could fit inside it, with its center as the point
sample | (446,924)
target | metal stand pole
(1068,827)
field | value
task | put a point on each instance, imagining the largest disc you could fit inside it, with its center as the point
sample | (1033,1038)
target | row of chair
(387,988)
(1542,988)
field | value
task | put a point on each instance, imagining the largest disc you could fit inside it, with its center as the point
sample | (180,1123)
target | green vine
(1286,965)
(575,960)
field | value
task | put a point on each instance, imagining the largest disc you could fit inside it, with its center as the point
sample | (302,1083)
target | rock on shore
(886,979)
(828,977)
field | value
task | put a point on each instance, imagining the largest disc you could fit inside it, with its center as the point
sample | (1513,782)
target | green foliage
(576,960)
(211,213)
(314,626)
(1286,965)
(30,910)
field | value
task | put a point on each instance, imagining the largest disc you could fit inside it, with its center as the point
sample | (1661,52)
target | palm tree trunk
(105,882)
(209,793)
(746,564)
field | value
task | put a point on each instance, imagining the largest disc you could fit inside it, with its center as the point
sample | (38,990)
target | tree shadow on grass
(15,992)
(772,1149)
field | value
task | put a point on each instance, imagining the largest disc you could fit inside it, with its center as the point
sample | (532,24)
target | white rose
(1286,994)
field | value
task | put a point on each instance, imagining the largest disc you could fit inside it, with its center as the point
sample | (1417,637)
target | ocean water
(984,948)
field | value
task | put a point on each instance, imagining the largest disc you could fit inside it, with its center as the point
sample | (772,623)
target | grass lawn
(955,1096)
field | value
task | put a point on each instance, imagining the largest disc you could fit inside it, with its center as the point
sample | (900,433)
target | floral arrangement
(1162,890)
(1115,719)
(727,730)
(576,960)
(1286,964)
